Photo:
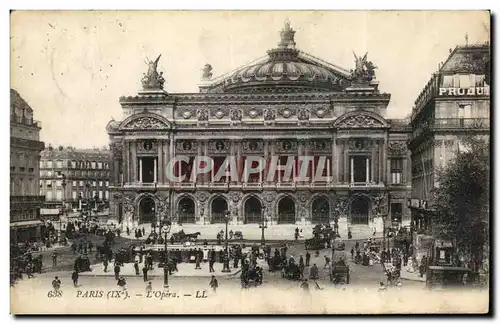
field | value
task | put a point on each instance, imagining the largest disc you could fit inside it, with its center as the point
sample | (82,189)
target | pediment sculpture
(146,122)
(360,121)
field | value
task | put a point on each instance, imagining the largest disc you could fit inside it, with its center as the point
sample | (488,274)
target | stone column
(381,161)
(239,161)
(125,166)
(367,170)
(384,161)
(140,170)
(205,153)
(352,169)
(199,153)
(346,162)
(266,158)
(155,179)
(405,168)
(341,161)
(373,159)
(133,163)
(334,170)
(161,165)
(273,153)
(301,150)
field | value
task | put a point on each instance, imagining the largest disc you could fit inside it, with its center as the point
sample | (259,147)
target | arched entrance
(360,208)
(320,210)
(253,210)
(147,210)
(218,208)
(286,211)
(186,210)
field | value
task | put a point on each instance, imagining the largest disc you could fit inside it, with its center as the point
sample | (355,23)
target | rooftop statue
(207,72)
(365,70)
(151,79)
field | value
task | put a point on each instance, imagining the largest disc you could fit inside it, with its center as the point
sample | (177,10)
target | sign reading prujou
(476,91)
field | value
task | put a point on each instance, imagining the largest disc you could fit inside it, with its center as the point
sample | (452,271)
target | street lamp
(263,225)
(167,224)
(226,253)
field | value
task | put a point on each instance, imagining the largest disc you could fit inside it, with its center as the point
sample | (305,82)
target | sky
(72,66)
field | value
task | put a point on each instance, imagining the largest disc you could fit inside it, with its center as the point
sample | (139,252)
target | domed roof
(285,69)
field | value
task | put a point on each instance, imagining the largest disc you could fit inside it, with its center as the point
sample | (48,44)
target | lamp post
(167,224)
(226,253)
(263,226)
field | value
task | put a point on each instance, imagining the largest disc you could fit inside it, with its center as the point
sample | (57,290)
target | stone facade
(326,114)
(25,147)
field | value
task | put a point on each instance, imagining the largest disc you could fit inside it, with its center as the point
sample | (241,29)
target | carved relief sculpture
(146,122)
(202,115)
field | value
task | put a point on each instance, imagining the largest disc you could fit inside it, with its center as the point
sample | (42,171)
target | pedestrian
(149,287)
(54,259)
(143,231)
(145,273)
(122,282)
(327,262)
(231,234)
(197,260)
(308,258)
(117,271)
(356,246)
(214,283)
(352,253)
(382,287)
(313,274)
(128,231)
(211,262)
(90,246)
(136,268)
(74,277)
(56,283)
(29,269)
(305,285)
(105,263)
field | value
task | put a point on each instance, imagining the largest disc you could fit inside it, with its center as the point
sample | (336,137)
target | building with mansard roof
(25,148)
(288,104)
(455,103)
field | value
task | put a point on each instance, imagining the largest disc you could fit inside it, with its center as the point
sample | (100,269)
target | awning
(26,223)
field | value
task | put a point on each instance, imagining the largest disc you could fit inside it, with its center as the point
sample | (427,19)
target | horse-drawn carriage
(183,237)
(251,277)
(322,236)
(339,273)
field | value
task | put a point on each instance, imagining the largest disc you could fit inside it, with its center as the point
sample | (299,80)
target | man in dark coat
(308,258)
(117,271)
(74,277)
(136,268)
(145,273)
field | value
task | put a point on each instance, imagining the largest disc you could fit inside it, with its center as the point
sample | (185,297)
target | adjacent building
(288,104)
(25,148)
(74,178)
(454,103)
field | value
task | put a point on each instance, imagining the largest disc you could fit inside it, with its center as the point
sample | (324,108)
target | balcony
(286,185)
(461,124)
(218,185)
(365,185)
(25,121)
(252,185)
(319,185)
(27,199)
